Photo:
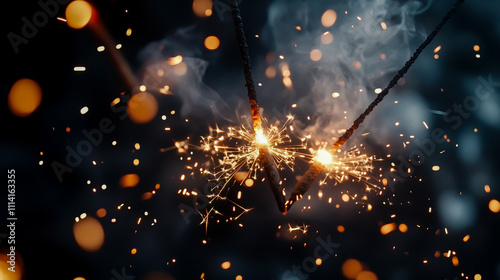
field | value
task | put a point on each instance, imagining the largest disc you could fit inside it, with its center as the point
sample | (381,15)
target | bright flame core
(323,157)
(260,138)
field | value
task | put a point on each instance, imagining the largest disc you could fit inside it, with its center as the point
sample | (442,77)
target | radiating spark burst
(239,147)
(352,165)
(235,151)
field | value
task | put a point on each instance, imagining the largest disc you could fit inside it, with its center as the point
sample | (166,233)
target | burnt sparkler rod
(315,169)
(265,157)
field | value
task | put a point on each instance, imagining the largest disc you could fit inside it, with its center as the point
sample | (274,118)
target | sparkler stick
(308,178)
(265,157)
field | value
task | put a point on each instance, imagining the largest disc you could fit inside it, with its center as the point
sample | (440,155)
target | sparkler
(352,165)
(241,149)
(308,178)
(264,154)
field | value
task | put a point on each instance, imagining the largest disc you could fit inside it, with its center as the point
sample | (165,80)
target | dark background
(46,208)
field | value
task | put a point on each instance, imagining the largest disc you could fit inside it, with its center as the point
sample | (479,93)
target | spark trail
(315,169)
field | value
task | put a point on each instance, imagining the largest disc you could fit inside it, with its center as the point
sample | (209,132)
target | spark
(79,68)
(351,165)
(302,228)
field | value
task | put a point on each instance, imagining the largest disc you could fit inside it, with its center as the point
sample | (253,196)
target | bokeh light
(5,273)
(24,97)
(226,265)
(494,206)
(78,14)
(89,234)
(366,275)
(351,268)
(202,8)
(315,55)
(129,180)
(387,228)
(329,17)
(403,228)
(457,211)
(142,107)
(212,43)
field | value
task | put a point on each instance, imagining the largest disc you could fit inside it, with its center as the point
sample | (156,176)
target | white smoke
(372,39)
(172,66)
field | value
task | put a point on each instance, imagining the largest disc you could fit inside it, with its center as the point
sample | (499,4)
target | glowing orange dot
(494,206)
(142,107)
(89,234)
(101,213)
(403,228)
(175,60)
(212,43)
(270,72)
(476,48)
(68,129)
(454,261)
(147,195)
(133,251)
(351,268)
(226,265)
(318,261)
(387,228)
(328,18)
(202,8)
(345,197)
(238,277)
(287,82)
(249,182)
(357,65)
(341,229)
(24,97)
(466,238)
(129,180)
(366,275)
(78,14)
(315,55)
